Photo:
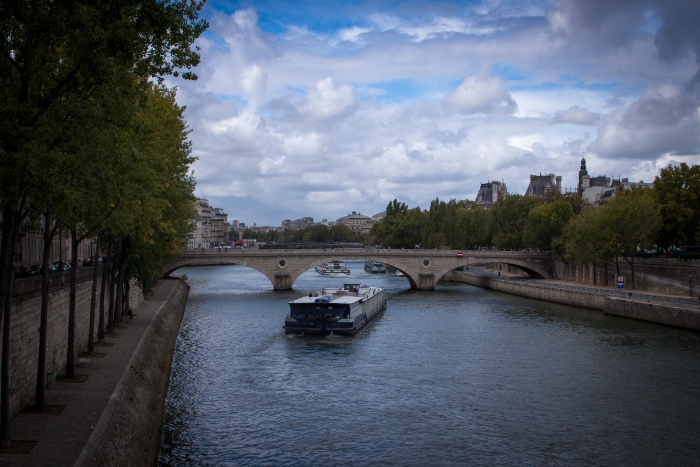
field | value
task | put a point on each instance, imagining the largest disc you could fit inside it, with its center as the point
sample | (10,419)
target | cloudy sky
(321,108)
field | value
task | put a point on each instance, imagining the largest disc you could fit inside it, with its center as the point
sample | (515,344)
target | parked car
(59,266)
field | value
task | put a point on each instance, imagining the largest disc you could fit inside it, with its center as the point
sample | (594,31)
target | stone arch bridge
(423,268)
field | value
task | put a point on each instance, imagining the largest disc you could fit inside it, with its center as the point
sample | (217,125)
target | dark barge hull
(325,328)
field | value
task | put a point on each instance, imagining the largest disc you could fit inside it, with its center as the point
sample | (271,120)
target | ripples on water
(458,376)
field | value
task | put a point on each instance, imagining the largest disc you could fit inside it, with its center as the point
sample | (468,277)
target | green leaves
(677,190)
(509,220)
(403,229)
(546,222)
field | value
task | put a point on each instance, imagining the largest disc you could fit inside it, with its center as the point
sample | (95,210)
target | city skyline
(318,110)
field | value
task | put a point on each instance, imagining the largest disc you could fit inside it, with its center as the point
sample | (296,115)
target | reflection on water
(456,376)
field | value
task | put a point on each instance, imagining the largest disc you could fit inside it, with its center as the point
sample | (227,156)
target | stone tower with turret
(582,173)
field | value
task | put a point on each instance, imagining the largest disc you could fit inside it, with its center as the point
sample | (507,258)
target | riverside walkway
(601,290)
(57,436)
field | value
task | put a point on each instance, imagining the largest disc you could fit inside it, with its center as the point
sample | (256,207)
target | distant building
(298,224)
(600,189)
(356,222)
(627,185)
(540,185)
(29,248)
(219,226)
(211,226)
(489,193)
(593,189)
(582,173)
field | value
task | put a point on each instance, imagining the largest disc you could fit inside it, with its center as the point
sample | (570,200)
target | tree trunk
(124,257)
(606,273)
(6,248)
(127,300)
(103,291)
(49,233)
(595,282)
(93,299)
(112,271)
(631,263)
(70,353)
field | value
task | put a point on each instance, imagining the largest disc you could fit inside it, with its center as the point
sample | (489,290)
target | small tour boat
(375,267)
(333,268)
(399,273)
(337,310)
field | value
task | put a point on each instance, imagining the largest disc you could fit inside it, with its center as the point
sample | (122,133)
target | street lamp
(285,239)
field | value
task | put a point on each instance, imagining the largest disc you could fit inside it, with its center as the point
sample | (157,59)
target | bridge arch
(536,272)
(389,262)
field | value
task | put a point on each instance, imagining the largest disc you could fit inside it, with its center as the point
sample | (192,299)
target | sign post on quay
(620,283)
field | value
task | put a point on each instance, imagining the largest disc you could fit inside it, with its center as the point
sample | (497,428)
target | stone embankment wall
(684,316)
(25,320)
(678,316)
(128,430)
(589,275)
(566,297)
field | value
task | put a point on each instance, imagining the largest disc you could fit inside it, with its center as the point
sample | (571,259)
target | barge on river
(337,310)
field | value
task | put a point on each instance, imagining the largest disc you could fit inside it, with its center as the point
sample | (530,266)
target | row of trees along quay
(92,144)
(666,216)
(316,234)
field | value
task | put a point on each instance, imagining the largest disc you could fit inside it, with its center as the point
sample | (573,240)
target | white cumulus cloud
(482,94)
(302,145)
(576,115)
(328,101)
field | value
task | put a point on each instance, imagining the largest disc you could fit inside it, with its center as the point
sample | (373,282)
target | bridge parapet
(423,268)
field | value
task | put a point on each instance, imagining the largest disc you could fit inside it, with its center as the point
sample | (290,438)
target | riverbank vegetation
(666,216)
(93,145)
(316,234)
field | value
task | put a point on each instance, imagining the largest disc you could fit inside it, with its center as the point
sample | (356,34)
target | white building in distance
(211,226)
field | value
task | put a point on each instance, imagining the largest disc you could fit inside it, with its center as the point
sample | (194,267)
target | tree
(319,233)
(586,239)
(441,224)
(509,218)
(395,208)
(546,222)
(55,55)
(677,190)
(401,229)
(473,227)
(633,219)
(340,233)
(251,234)
(233,235)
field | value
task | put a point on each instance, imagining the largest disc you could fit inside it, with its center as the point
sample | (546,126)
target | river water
(457,376)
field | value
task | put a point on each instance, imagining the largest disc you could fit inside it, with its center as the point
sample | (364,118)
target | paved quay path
(61,438)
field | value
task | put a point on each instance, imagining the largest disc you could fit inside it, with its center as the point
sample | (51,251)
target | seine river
(457,376)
